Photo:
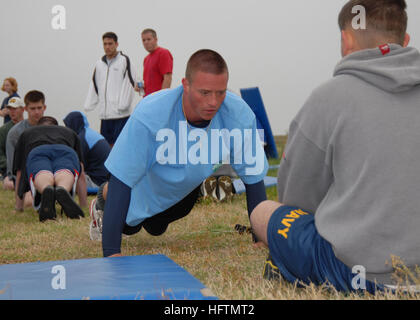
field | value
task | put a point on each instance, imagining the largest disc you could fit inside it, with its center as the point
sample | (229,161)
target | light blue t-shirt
(162,158)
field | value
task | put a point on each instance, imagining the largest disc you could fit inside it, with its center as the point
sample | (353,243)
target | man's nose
(212,100)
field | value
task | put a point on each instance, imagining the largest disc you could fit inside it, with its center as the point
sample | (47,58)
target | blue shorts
(302,255)
(52,158)
(112,128)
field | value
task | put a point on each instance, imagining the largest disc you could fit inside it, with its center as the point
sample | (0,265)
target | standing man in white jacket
(112,89)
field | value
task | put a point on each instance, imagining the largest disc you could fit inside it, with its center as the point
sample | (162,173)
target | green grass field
(204,243)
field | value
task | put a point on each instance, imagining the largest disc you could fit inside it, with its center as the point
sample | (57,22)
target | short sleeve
(165,62)
(132,154)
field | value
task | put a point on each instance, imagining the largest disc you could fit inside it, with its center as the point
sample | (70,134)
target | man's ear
(185,84)
(348,42)
(406,40)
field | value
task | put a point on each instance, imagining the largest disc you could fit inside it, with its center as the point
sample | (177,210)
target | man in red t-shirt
(157,66)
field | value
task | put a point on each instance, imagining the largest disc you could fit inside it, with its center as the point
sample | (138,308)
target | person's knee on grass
(65,181)
(260,217)
(8,184)
(54,187)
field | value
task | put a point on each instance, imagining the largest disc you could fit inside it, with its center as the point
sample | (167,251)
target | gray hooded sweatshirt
(353,159)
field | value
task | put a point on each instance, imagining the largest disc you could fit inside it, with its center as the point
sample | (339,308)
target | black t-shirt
(41,135)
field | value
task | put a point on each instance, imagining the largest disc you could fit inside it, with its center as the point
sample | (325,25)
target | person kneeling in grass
(48,161)
(348,183)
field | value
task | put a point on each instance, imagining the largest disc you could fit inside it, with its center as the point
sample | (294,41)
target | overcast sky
(286,48)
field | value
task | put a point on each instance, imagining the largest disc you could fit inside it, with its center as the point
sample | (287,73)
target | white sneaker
(95,228)
(224,188)
(208,188)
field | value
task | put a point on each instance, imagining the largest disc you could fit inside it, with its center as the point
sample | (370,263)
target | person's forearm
(255,194)
(19,202)
(81,189)
(115,213)
(167,80)
(10,151)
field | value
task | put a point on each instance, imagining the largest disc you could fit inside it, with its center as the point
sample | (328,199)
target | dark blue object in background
(252,97)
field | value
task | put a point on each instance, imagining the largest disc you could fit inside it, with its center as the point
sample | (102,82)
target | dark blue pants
(112,128)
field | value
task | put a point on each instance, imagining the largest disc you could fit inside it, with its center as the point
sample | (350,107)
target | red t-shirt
(155,65)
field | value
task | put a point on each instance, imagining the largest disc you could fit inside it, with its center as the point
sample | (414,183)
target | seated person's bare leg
(260,217)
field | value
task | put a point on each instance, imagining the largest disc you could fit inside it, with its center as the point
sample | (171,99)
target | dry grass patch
(204,243)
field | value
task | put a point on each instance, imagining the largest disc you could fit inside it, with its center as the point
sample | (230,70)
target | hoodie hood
(76,121)
(396,71)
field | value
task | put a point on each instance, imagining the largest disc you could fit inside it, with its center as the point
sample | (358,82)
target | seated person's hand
(259,244)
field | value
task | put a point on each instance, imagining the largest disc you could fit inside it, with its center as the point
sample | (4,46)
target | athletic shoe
(70,207)
(208,188)
(95,228)
(242,229)
(47,208)
(271,271)
(224,189)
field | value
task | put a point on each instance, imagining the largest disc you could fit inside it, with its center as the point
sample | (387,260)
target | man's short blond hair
(205,60)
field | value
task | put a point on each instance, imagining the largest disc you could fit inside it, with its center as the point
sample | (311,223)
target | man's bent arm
(255,194)
(115,213)
(167,80)
(92,98)
(11,141)
(3,157)
(81,188)
(304,177)
(19,202)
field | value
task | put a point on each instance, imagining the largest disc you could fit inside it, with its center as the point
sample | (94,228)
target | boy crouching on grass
(349,180)
(48,161)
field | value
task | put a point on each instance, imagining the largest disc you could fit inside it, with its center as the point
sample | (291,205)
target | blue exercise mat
(148,277)
(239,186)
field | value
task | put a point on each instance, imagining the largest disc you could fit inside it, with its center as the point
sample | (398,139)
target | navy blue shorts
(302,255)
(52,158)
(112,128)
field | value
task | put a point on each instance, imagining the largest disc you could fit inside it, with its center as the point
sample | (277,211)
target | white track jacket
(111,88)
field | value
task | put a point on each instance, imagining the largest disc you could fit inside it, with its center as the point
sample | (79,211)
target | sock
(100,201)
